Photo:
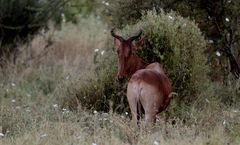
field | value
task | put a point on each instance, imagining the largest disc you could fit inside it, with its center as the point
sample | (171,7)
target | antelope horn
(116,36)
(135,37)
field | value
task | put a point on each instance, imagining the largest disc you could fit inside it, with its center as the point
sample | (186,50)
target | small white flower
(102,52)
(95,112)
(43,135)
(1,134)
(218,53)
(63,17)
(210,41)
(227,19)
(96,50)
(94,144)
(55,105)
(235,111)
(13,100)
(28,95)
(13,84)
(156,143)
(126,113)
(64,109)
(229,1)
(170,17)
(224,122)
(122,117)
(209,17)
(67,77)
(28,110)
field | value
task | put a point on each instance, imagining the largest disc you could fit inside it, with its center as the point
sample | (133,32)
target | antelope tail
(139,107)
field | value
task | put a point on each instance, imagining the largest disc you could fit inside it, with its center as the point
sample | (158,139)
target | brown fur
(148,88)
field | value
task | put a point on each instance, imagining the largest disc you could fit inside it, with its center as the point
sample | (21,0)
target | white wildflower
(94,144)
(156,143)
(28,110)
(55,105)
(96,50)
(43,135)
(218,53)
(170,17)
(1,134)
(102,52)
(95,112)
(67,77)
(229,1)
(210,41)
(13,100)
(227,19)
(13,84)
(28,95)
(126,113)
(63,17)
(209,17)
(235,111)
(64,109)
(224,122)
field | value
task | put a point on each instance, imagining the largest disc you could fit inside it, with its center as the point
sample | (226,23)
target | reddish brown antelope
(149,89)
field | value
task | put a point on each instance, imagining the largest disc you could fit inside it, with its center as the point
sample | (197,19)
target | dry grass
(31,113)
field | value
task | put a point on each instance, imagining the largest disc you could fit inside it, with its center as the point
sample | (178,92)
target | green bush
(169,39)
(178,44)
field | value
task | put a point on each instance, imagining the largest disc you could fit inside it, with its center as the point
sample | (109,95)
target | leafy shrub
(178,44)
(170,39)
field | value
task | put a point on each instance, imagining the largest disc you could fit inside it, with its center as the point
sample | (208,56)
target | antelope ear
(137,43)
(117,42)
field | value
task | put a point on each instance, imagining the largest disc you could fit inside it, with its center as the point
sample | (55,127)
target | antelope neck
(136,63)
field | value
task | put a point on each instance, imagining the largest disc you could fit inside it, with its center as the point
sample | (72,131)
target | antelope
(149,90)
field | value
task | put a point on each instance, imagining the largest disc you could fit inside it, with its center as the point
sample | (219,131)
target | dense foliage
(218,20)
(178,44)
(20,20)
(175,42)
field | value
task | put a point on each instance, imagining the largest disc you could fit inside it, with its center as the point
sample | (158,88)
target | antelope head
(128,62)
